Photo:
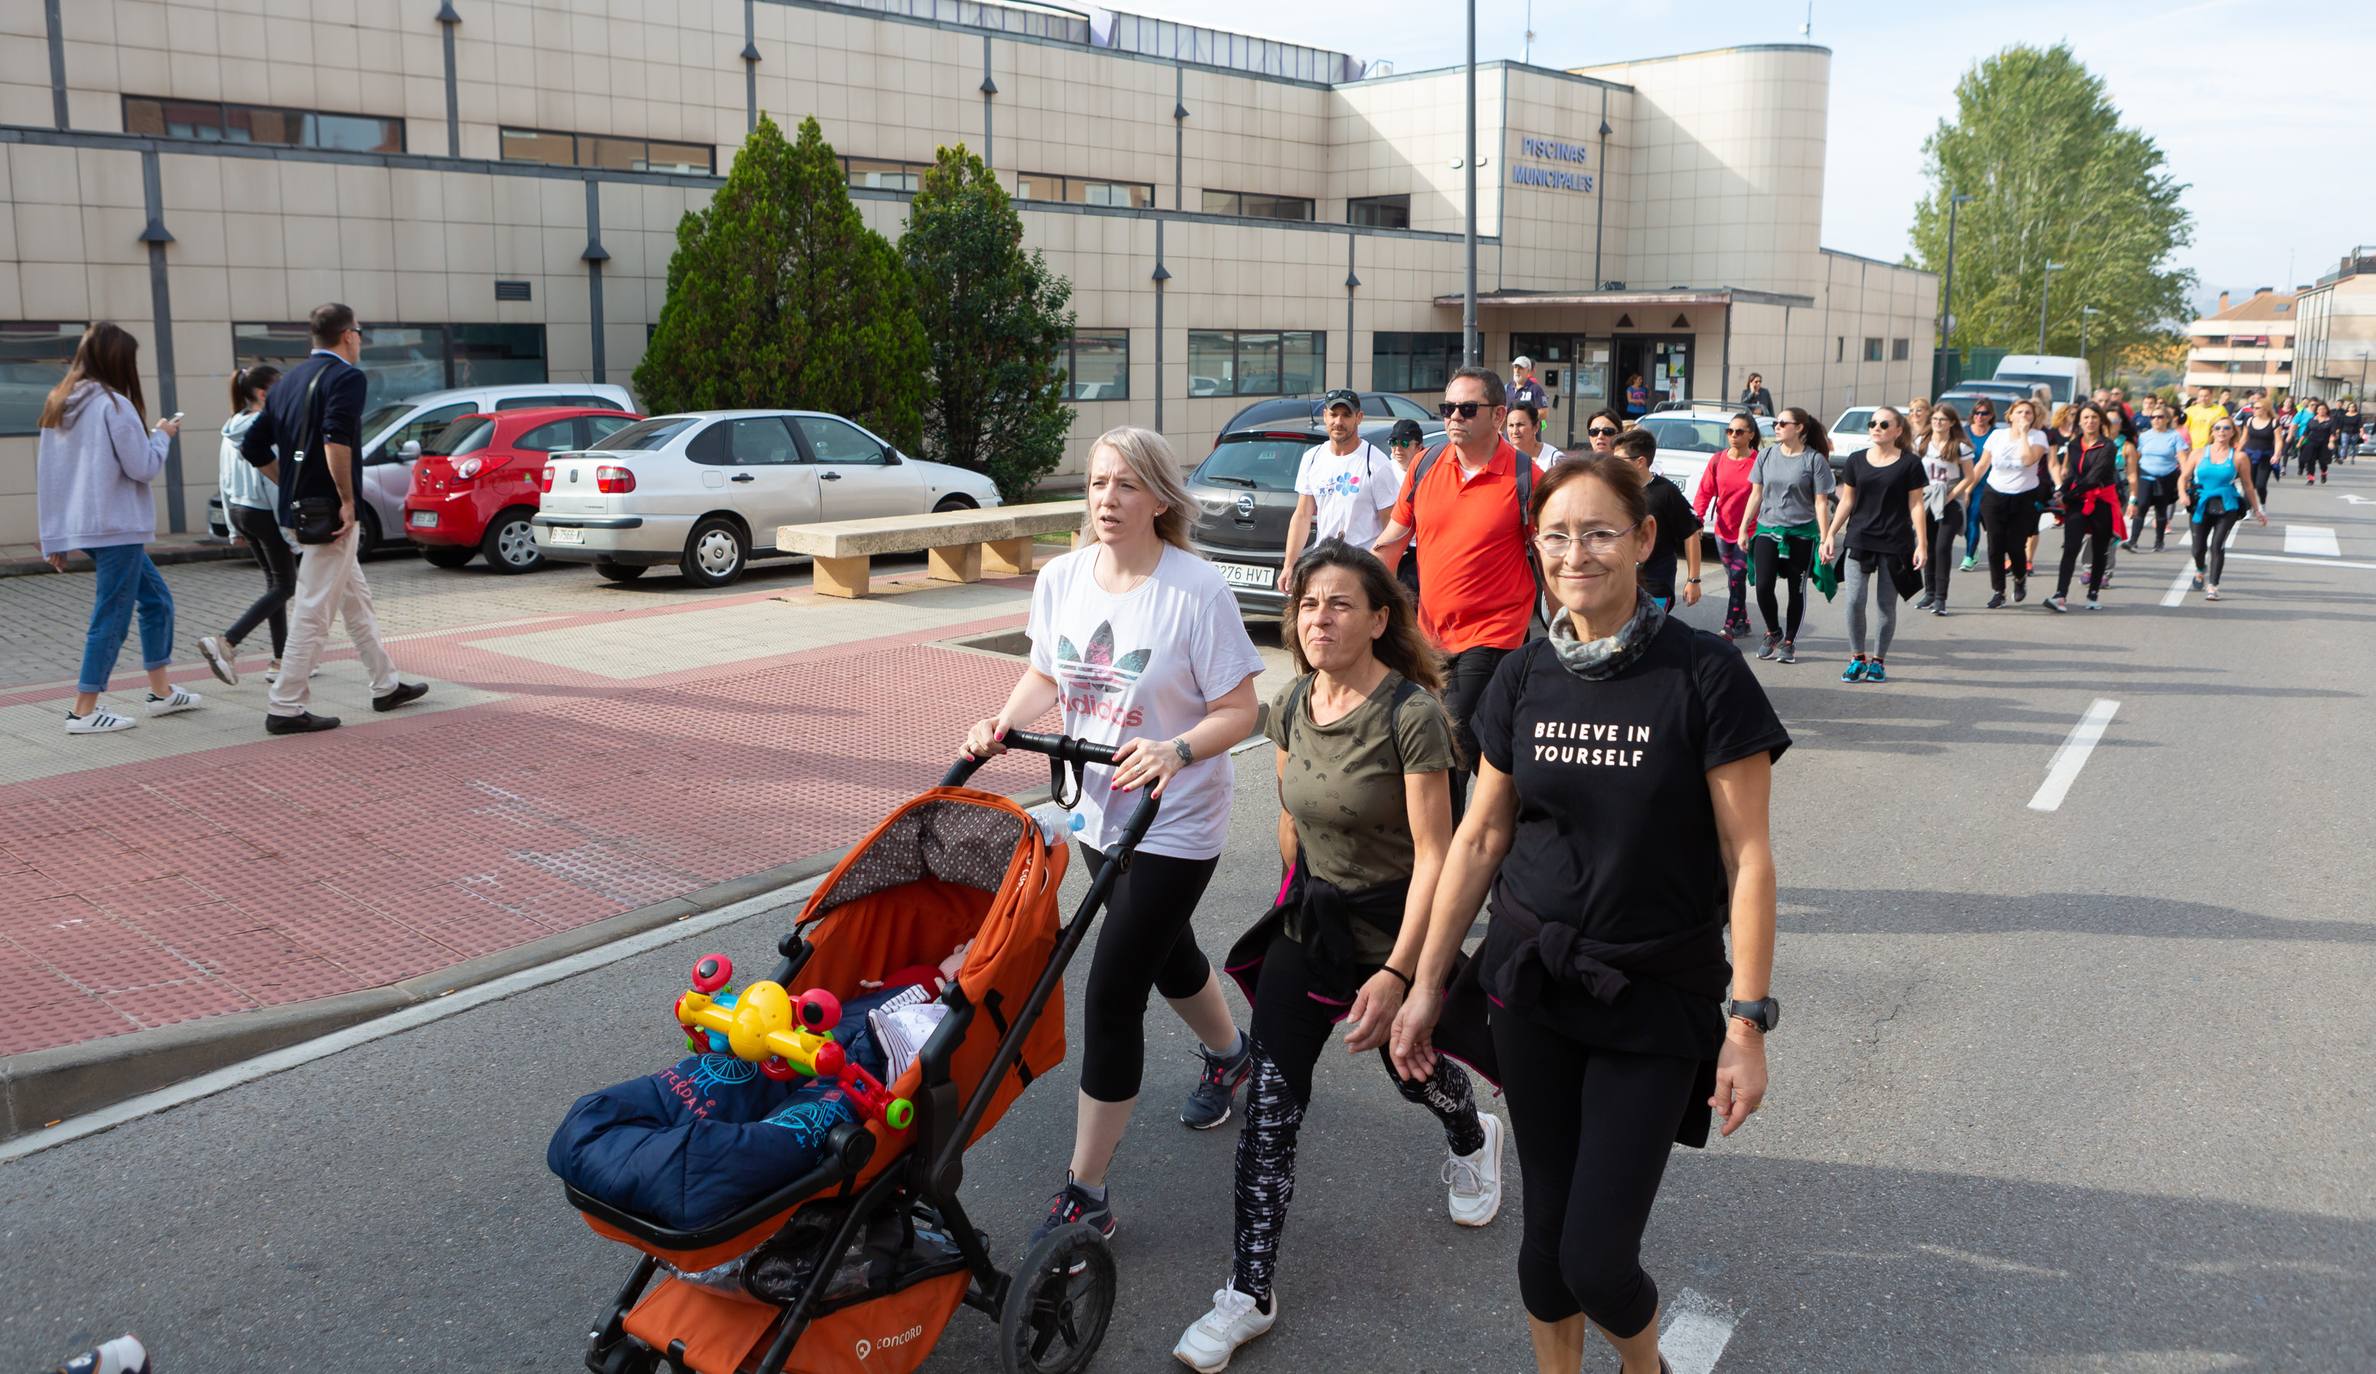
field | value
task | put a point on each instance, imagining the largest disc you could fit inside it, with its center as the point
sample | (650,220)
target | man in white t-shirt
(1345,485)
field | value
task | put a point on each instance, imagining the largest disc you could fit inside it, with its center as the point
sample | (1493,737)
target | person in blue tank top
(2161,450)
(2210,485)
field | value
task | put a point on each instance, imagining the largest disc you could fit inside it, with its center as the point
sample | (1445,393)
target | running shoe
(1969,563)
(1789,652)
(2021,588)
(2094,605)
(123,1355)
(1476,1180)
(1996,601)
(1074,1203)
(1874,672)
(1216,1086)
(99,721)
(1855,672)
(2058,603)
(218,657)
(1925,603)
(1940,609)
(1773,646)
(1234,1320)
(2209,594)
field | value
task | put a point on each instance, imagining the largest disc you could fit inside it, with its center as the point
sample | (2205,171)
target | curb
(162,556)
(43,1087)
(46,1087)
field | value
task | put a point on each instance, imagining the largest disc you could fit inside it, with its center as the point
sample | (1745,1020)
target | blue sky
(2267,99)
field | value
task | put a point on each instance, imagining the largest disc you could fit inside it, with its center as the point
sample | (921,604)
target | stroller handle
(1066,749)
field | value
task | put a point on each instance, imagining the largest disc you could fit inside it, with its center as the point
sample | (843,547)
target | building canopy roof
(1673,295)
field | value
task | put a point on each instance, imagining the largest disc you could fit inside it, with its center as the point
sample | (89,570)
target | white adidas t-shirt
(2009,473)
(1351,492)
(1143,665)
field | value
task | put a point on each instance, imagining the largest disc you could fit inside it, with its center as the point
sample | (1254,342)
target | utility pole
(2045,290)
(2084,312)
(1470,346)
(1947,306)
(1526,52)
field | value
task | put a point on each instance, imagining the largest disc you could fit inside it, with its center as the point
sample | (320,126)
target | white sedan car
(706,491)
(1688,439)
(1848,433)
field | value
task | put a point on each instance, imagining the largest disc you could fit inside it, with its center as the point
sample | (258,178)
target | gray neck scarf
(1606,658)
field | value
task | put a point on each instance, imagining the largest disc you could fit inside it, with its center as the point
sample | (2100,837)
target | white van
(2066,379)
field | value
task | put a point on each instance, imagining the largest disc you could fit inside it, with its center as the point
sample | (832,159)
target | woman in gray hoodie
(96,459)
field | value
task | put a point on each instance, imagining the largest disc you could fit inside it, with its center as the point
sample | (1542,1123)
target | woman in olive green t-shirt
(1364,763)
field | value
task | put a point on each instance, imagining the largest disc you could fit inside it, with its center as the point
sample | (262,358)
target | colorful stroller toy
(856,1267)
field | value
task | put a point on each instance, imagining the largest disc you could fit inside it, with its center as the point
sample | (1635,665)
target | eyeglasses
(1600,431)
(1555,544)
(1466,410)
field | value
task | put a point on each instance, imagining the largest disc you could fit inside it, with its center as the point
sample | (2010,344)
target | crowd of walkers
(290,471)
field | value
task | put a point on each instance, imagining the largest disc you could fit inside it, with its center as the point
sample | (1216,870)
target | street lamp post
(1470,346)
(2084,312)
(2045,290)
(1947,305)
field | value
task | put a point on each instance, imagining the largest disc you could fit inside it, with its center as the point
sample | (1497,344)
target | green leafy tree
(998,321)
(780,296)
(2054,177)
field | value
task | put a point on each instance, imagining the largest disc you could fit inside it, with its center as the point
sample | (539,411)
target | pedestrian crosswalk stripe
(1697,1330)
(2316,540)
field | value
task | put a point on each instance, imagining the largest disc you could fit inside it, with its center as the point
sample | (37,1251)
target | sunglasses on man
(1466,410)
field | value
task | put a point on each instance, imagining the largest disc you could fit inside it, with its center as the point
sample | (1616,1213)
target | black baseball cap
(1405,432)
(1341,396)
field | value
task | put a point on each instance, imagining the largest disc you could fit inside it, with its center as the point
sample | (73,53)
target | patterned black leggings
(1294,1013)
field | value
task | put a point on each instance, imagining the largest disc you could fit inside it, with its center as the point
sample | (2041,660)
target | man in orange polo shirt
(1477,589)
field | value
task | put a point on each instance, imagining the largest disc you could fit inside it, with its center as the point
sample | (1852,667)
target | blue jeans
(126,578)
(1972,526)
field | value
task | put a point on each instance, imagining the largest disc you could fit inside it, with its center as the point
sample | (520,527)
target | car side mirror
(410,451)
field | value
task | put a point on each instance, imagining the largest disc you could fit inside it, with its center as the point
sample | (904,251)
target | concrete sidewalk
(194,891)
(25,560)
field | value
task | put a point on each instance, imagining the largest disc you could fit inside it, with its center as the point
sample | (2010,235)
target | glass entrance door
(1575,372)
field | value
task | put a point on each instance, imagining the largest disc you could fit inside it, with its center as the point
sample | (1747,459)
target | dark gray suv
(1245,495)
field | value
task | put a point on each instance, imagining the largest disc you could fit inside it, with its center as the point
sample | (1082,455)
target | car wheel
(448,555)
(620,572)
(367,534)
(510,542)
(950,503)
(715,553)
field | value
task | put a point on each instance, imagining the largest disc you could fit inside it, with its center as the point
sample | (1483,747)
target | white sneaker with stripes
(181,700)
(100,721)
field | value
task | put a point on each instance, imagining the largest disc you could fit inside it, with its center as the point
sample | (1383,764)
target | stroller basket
(950,865)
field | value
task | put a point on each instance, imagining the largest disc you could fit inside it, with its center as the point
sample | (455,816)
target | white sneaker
(218,657)
(1217,1334)
(1477,1179)
(272,674)
(182,700)
(100,721)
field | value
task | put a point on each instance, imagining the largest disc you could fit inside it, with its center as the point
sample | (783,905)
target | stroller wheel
(1057,1304)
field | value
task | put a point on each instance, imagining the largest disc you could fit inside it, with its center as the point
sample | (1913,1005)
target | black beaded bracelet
(1406,978)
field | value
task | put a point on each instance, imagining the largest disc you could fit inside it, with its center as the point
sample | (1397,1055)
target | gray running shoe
(1216,1087)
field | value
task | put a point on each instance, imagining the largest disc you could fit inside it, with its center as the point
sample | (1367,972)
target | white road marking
(1696,1332)
(2313,562)
(2072,757)
(2318,540)
(2176,595)
(420,1014)
(2356,499)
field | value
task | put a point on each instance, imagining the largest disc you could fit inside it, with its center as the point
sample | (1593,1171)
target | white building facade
(494,185)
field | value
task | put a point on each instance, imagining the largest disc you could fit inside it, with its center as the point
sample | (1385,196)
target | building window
(33,359)
(404,360)
(1256,362)
(602,150)
(1256,205)
(1872,353)
(1412,362)
(878,174)
(216,121)
(1097,366)
(1900,350)
(1379,212)
(1125,195)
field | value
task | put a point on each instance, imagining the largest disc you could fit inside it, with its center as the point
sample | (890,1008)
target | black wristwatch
(1765,1013)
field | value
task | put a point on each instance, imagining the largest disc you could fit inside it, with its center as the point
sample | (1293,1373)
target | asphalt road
(2079,1090)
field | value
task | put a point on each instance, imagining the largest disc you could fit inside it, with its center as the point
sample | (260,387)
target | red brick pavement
(271,872)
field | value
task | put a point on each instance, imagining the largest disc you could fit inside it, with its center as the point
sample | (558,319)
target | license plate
(1247,575)
(423,519)
(566,534)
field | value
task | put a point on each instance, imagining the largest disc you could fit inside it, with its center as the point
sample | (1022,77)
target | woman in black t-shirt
(1879,510)
(1620,820)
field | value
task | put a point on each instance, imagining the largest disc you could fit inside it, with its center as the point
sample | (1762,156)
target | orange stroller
(856,1267)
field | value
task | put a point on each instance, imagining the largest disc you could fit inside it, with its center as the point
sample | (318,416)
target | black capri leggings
(1296,1008)
(2210,543)
(1145,944)
(1791,558)
(1594,1130)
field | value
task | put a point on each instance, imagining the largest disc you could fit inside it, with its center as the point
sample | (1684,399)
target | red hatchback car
(474,487)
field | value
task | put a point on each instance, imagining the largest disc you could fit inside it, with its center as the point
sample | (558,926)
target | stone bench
(959,543)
